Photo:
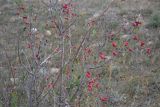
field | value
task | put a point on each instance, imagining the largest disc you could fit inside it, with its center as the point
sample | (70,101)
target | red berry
(102,55)
(88,50)
(148,51)
(114,53)
(24,17)
(136,23)
(65,6)
(126,43)
(130,49)
(114,44)
(135,37)
(89,87)
(141,43)
(103,99)
(88,74)
(29,45)
(50,85)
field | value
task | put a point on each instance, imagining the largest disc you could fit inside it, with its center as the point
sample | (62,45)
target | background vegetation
(79,53)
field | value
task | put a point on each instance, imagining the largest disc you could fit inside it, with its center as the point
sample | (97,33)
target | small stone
(48,33)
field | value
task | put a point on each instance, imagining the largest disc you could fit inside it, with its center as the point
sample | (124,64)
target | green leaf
(135,30)
(14,99)
(30,8)
(69,89)
(94,32)
(148,61)
(18,1)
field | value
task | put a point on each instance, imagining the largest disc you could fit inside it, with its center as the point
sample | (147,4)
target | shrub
(155,20)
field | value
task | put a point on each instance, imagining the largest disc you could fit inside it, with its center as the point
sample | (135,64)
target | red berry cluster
(68,10)
(136,23)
